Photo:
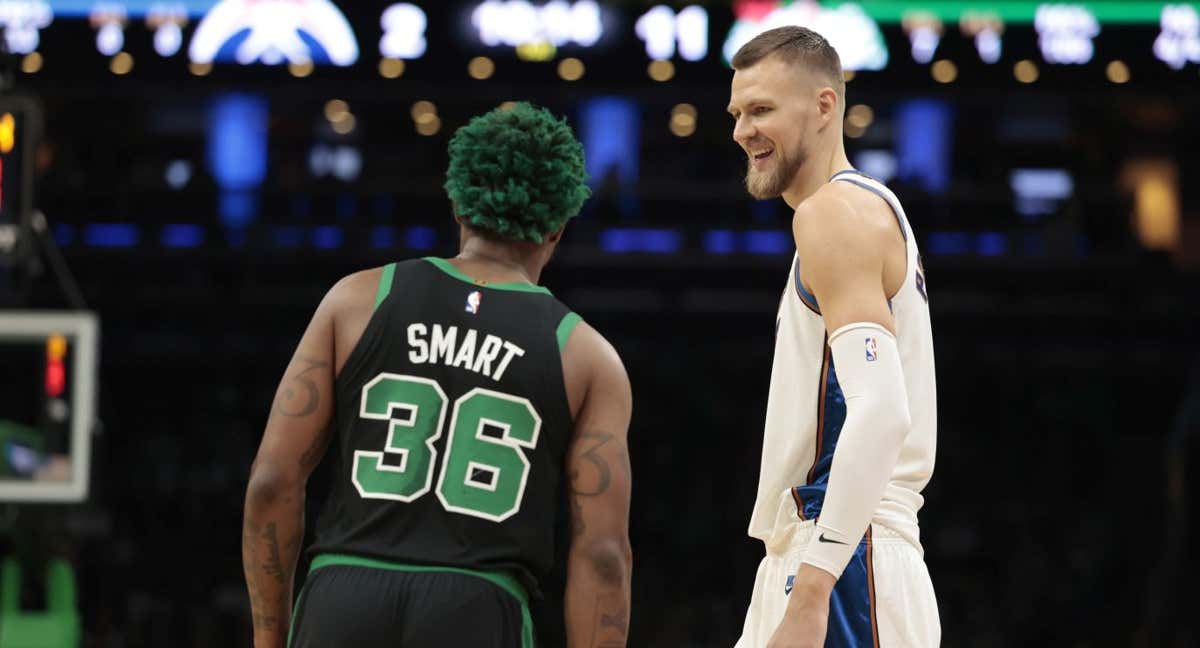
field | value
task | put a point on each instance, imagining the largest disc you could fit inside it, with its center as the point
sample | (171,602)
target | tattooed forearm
(299,396)
(312,456)
(274,565)
(612,622)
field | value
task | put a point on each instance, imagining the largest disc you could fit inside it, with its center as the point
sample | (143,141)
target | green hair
(517,173)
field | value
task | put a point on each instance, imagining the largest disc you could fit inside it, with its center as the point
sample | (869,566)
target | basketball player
(850,429)
(461,400)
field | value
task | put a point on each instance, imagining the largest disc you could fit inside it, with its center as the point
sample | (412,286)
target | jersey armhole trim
(385,283)
(565,326)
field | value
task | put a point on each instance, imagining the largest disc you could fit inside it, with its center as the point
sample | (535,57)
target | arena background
(202,209)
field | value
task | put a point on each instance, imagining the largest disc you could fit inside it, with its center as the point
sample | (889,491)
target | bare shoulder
(353,291)
(591,365)
(840,218)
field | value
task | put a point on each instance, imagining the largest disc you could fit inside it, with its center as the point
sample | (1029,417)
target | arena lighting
(423,110)
(1039,191)
(571,69)
(1025,71)
(683,120)
(1154,184)
(924,32)
(429,126)
(851,31)
(200,69)
(178,174)
(271,33)
(944,71)
(986,28)
(1065,32)
(383,237)
(345,125)
(1117,72)
(327,237)
(663,30)
(167,21)
(121,64)
(300,69)
(181,235)
(420,237)
(32,63)
(860,115)
(404,28)
(481,67)
(877,163)
(391,68)
(22,22)
(108,18)
(661,70)
(653,241)
(719,242)
(336,110)
(111,235)
(537,31)
(1179,42)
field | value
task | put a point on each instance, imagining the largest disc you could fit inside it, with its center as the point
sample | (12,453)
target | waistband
(502,580)
(795,535)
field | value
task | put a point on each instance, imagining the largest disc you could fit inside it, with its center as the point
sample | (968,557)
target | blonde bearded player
(851,417)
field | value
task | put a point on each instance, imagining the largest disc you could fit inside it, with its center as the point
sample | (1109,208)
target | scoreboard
(344,34)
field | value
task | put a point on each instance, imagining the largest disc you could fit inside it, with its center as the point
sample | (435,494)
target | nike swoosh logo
(821,538)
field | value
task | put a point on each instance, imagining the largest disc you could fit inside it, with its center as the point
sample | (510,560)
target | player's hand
(802,627)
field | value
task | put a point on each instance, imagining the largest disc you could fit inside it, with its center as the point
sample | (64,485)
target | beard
(774,180)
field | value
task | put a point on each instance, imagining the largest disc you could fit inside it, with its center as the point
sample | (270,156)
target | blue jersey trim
(831,415)
(808,298)
(840,177)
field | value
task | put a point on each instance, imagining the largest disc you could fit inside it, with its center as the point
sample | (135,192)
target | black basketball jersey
(452,426)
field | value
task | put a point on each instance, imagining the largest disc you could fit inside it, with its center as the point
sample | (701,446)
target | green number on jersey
(485,469)
(415,409)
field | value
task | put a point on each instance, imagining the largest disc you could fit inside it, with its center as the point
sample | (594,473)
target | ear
(554,237)
(828,105)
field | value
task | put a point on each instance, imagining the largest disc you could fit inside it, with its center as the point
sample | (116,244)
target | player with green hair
(461,401)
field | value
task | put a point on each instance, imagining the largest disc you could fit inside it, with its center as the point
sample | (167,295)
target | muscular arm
(599,566)
(844,247)
(296,436)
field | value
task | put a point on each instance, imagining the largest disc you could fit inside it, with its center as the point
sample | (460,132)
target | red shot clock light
(56,373)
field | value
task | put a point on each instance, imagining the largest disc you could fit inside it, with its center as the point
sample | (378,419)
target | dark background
(1058,511)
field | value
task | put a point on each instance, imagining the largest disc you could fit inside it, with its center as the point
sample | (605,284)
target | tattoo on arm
(603,472)
(612,623)
(274,565)
(316,450)
(260,605)
(594,442)
(300,395)
(575,491)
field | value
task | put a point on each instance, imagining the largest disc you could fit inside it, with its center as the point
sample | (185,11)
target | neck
(817,171)
(500,260)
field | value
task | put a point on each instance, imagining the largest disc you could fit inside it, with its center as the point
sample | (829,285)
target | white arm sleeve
(867,363)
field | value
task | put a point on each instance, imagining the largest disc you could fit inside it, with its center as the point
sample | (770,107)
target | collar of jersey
(448,268)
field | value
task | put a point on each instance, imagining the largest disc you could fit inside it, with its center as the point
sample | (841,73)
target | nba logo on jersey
(872,350)
(473,302)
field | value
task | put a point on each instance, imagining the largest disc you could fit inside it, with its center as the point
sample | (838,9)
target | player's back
(452,423)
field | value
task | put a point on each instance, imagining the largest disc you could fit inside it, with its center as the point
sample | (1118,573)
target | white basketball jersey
(806,409)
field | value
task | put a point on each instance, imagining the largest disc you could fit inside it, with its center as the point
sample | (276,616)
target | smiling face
(776,112)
